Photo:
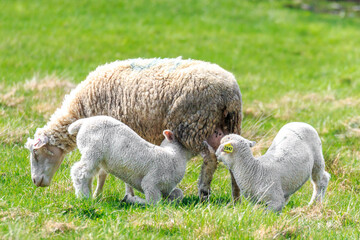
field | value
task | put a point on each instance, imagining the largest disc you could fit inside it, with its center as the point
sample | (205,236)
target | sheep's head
(231,147)
(45,160)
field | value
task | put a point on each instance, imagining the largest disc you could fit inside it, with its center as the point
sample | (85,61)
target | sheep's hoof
(204,195)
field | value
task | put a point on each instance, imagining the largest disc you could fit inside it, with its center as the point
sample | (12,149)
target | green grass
(291,65)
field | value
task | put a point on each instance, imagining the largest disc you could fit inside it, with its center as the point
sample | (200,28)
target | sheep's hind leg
(135,200)
(320,181)
(207,172)
(210,163)
(100,184)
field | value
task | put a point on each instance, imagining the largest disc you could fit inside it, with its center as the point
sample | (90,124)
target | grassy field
(291,65)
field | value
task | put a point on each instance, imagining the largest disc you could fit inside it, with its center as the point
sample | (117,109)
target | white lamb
(106,143)
(294,156)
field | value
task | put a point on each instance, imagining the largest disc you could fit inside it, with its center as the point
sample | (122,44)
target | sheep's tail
(75,126)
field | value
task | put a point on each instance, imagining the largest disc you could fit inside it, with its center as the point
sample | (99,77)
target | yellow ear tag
(228,148)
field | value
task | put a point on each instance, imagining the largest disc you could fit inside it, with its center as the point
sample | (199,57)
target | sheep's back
(295,143)
(189,97)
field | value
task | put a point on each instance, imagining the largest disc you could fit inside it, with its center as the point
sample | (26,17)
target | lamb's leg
(135,200)
(235,189)
(287,200)
(152,193)
(82,173)
(100,184)
(320,181)
(129,193)
(276,205)
(176,194)
(82,177)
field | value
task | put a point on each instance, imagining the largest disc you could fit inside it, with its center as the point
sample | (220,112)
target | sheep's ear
(169,135)
(29,144)
(251,143)
(40,142)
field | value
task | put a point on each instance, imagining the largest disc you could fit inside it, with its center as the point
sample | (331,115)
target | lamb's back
(293,147)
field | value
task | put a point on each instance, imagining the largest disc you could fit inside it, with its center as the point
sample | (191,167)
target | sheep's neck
(247,170)
(57,131)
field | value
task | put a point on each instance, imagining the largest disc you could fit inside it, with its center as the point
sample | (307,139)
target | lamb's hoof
(204,195)
(126,199)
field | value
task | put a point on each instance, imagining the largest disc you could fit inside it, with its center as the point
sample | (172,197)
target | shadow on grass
(218,200)
(190,200)
(96,208)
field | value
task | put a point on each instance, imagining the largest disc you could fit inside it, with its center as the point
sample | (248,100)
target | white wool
(294,156)
(108,144)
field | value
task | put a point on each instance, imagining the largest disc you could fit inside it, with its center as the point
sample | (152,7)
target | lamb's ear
(251,143)
(40,142)
(228,147)
(169,135)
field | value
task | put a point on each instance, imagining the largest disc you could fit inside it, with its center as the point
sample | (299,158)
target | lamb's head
(45,160)
(171,142)
(232,147)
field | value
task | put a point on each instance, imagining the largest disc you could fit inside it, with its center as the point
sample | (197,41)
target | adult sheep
(197,100)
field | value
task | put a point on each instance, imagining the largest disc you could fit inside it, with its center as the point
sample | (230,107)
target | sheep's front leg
(82,175)
(129,193)
(277,202)
(176,194)
(276,206)
(100,184)
(135,200)
(152,193)
(207,172)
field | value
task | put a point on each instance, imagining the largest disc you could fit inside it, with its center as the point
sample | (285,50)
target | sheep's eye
(35,154)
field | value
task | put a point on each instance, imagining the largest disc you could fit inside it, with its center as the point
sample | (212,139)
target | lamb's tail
(75,126)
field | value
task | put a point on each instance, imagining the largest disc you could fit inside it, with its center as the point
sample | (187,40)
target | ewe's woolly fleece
(190,97)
